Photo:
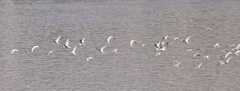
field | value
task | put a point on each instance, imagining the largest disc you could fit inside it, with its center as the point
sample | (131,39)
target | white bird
(144,45)
(162,49)
(165,38)
(50,52)
(115,50)
(101,50)
(34,47)
(189,50)
(89,58)
(227,55)
(206,57)
(216,45)
(236,48)
(25,51)
(158,54)
(237,52)
(208,29)
(158,44)
(13,51)
(57,40)
(109,38)
(67,44)
(199,65)
(196,54)
(74,50)
(186,40)
(133,41)
(177,65)
(227,61)
(82,42)
(176,38)
(221,63)
(162,44)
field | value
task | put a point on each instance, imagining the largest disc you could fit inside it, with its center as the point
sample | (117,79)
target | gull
(221,63)
(34,47)
(50,52)
(115,50)
(165,38)
(74,50)
(133,41)
(158,54)
(67,44)
(177,64)
(227,61)
(216,45)
(82,42)
(208,29)
(101,50)
(144,45)
(57,40)
(89,58)
(176,38)
(206,57)
(227,55)
(186,40)
(109,38)
(196,54)
(199,65)
(13,51)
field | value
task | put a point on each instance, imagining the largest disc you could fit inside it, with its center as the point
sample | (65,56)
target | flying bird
(89,58)
(216,45)
(206,57)
(176,38)
(227,55)
(177,65)
(165,38)
(34,47)
(208,29)
(109,38)
(57,40)
(158,54)
(186,40)
(67,44)
(196,54)
(144,45)
(133,41)
(115,50)
(221,63)
(82,42)
(227,61)
(50,52)
(13,51)
(74,50)
(199,65)
(101,50)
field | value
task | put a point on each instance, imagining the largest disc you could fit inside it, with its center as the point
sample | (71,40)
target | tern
(82,42)
(67,44)
(227,55)
(57,40)
(196,54)
(34,47)
(115,50)
(50,52)
(165,38)
(74,50)
(227,61)
(199,65)
(109,38)
(89,58)
(177,65)
(158,54)
(133,41)
(186,40)
(13,51)
(101,50)
(158,44)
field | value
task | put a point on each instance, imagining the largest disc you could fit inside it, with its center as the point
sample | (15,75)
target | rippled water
(24,24)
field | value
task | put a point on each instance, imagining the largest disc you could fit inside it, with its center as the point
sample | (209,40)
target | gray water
(26,23)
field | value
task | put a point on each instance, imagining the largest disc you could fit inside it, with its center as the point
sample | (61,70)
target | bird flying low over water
(186,40)
(216,45)
(50,52)
(74,50)
(176,38)
(34,47)
(165,38)
(227,55)
(115,50)
(101,50)
(67,44)
(82,42)
(57,40)
(199,65)
(133,41)
(89,58)
(177,65)
(13,51)
(227,61)
(109,38)
(196,54)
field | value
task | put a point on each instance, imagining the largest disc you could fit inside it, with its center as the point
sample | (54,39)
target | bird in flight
(67,44)
(57,40)
(34,47)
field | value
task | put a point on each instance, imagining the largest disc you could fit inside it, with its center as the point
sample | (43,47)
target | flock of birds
(160,47)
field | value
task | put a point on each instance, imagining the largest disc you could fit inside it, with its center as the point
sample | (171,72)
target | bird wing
(103,48)
(109,39)
(74,49)
(187,39)
(227,54)
(67,42)
(57,40)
